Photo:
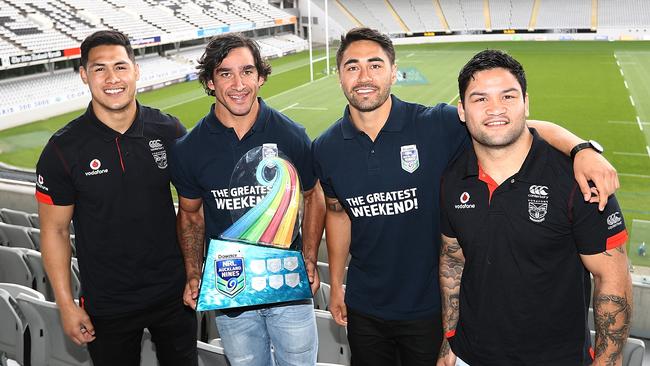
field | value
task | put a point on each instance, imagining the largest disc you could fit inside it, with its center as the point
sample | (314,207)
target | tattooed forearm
(612,315)
(452,263)
(444,349)
(191,236)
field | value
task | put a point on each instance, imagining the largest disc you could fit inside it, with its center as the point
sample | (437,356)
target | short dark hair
(104,38)
(487,60)
(365,34)
(217,50)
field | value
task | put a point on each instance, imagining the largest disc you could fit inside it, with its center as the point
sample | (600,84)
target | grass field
(599,90)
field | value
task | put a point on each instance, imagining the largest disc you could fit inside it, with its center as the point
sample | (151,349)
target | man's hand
(76,324)
(337,306)
(312,275)
(589,165)
(191,292)
(446,357)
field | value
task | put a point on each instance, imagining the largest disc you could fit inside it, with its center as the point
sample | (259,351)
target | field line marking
(410,54)
(311,108)
(647,149)
(298,87)
(621,71)
(629,122)
(634,175)
(454,98)
(625,82)
(638,121)
(288,107)
(630,153)
(183,102)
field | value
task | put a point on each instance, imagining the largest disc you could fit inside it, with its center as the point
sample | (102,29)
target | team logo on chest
(537,203)
(158,152)
(409,158)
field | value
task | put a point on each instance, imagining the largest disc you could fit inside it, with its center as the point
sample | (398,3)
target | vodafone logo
(40,179)
(464,198)
(95,164)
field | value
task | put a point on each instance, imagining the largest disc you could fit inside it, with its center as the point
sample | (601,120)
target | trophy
(253,261)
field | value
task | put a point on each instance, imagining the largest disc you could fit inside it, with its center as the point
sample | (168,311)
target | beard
(367,104)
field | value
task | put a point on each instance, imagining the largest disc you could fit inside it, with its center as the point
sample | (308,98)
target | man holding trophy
(239,126)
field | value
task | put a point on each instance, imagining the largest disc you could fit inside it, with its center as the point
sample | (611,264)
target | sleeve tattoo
(191,241)
(612,315)
(452,263)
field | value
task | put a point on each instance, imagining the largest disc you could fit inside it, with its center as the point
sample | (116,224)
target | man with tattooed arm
(521,240)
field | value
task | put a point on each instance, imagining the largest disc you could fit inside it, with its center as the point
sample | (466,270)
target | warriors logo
(537,211)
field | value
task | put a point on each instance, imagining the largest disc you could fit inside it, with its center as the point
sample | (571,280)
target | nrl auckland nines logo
(158,152)
(537,203)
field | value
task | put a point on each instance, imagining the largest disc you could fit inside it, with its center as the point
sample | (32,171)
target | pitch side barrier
(523,35)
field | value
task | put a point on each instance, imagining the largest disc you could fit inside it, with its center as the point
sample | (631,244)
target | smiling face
(366,75)
(111,77)
(494,108)
(235,83)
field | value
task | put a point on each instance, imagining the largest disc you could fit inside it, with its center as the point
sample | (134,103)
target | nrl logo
(537,211)
(409,158)
(231,278)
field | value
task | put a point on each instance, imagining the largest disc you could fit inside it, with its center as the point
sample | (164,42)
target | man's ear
(461,111)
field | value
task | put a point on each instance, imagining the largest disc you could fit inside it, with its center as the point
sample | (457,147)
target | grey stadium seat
(16,236)
(14,290)
(36,222)
(211,355)
(49,344)
(632,352)
(14,217)
(332,340)
(13,268)
(322,297)
(13,329)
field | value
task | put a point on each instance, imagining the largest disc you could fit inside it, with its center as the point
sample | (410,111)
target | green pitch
(588,87)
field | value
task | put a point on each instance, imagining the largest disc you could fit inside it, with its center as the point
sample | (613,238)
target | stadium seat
(17,236)
(12,330)
(211,355)
(323,271)
(15,217)
(14,290)
(148,354)
(36,222)
(332,340)
(211,326)
(13,268)
(322,297)
(40,281)
(633,351)
(49,344)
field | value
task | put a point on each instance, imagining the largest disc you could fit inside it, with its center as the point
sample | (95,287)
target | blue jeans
(290,329)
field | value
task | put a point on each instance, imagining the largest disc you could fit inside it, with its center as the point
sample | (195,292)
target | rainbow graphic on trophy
(253,261)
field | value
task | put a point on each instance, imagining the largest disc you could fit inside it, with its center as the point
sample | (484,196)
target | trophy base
(237,275)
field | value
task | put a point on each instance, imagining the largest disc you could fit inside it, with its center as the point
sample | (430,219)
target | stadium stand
(373,14)
(507,14)
(419,15)
(560,14)
(628,13)
(464,15)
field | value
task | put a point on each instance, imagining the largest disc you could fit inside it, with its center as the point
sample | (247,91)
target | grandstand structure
(49,32)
